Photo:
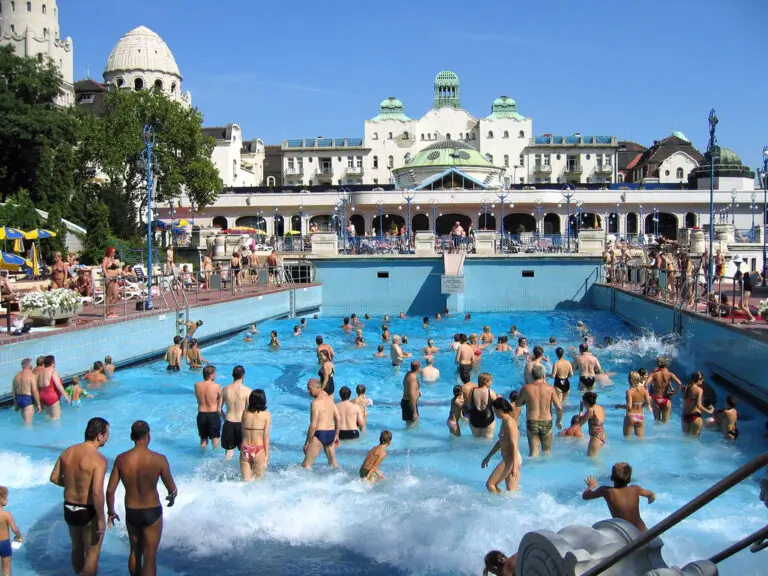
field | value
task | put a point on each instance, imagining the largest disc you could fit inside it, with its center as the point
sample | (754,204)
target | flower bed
(61,303)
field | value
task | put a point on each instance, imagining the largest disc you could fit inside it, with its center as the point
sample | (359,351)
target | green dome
(678,134)
(391,109)
(505,107)
(447,78)
(392,103)
(505,101)
(449,153)
(728,156)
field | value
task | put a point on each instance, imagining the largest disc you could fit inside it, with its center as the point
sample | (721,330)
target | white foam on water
(20,471)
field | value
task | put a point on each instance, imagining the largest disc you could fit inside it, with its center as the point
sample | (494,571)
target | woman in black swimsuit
(481,419)
(326,372)
(234,266)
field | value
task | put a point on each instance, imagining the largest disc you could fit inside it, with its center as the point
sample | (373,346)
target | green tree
(59,242)
(19,212)
(97,238)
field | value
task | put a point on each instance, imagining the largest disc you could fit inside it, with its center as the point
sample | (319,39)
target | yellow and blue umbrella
(181,223)
(12,262)
(35,263)
(39,233)
(7,233)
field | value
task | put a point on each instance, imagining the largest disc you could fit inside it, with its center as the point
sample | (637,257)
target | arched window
(506,134)
(489,157)
(120,82)
(138,84)
(390,135)
(13,28)
(679,173)
(234,168)
(506,160)
(390,162)
(375,161)
(173,88)
(159,85)
(407,157)
(45,9)
(447,136)
(422,136)
(621,177)
(405,136)
(522,134)
(13,6)
(490,134)
(270,180)
(375,135)
(45,32)
(29,6)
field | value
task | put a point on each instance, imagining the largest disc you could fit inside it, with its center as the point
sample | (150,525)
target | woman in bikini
(254,451)
(502,344)
(454,416)
(508,470)
(661,388)
(111,270)
(326,372)
(487,336)
(479,408)
(207,270)
(637,399)
(692,407)
(595,419)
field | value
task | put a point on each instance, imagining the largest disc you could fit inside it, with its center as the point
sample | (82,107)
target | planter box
(40,319)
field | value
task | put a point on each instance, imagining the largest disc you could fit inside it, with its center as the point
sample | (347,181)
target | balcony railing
(574,169)
(604,169)
(294,171)
(354,170)
(325,173)
(542,168)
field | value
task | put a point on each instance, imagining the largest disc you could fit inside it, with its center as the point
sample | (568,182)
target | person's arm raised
(592,492)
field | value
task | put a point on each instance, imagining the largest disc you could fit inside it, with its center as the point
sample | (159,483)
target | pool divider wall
(412,285)
(731,352)
(143,339)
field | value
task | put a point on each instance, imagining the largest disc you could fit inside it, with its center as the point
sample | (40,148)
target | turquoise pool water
(431,515)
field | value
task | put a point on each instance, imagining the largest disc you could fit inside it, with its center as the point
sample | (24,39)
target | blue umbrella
(10,261)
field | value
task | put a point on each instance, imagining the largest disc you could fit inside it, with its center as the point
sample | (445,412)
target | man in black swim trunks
(139,469)
(409,405)
(588,366)
(350,416)
(173,355)
(80,470)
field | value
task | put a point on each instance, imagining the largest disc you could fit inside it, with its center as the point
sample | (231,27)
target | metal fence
(531,243)
(375,245)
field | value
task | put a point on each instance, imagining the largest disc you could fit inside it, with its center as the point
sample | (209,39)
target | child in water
(623,500)
(7,525)
(76,392)
(370,468)
(274,343)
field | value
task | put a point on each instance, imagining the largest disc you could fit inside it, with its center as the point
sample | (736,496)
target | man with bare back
(26,397)
(588,366)
(234,397)
(323,430)
(208,394)
(539,397)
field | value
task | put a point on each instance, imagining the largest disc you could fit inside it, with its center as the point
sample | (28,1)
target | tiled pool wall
(705,342)
(412,285)
(131,341)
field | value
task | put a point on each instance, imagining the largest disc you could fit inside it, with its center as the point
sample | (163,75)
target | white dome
(142,49)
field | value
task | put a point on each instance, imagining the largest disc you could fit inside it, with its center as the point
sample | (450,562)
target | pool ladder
(758,540)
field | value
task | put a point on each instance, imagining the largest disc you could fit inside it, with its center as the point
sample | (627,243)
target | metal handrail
(681,514)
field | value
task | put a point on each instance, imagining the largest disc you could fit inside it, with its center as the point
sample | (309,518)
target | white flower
(51,302)
(763,308)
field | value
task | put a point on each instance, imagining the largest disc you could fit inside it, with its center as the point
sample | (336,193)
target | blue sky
(631,68)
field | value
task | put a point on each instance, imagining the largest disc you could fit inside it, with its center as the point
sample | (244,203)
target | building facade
(240,162)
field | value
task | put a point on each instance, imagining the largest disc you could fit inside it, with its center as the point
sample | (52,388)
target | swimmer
(274,343)
(425,322)
(464,356)
(50,388)
(350,416)
(367,316)
(552,340)
(487,336)
(574,430)
(479,407)
(7,525)
(623,500)
(386,318)
(194,355)
(404,339)
(234,397)
(109,367)
(662,390)
(430,349)
(396,352)
(96,376)
(502,344)
(727,418)
(402,315)
(370,469)
(477,351)
(323,346)
(594,417)
(346,326)
(693,409)
(254,330)
(522,347)
(466,387)
(454,414)
(588,365)
(409,404)
(539,398)
(173,355)
(356,321)
(297,330)
(380,352)
(534,359)
(208,395)
(385,335)
(438,317)
(362,402)
(455,344)
(323,430)
(637,399)
(254,451)
(446,313)
(508,469)
(326,373)
(26,397)
(604,378)
(359,342)
(429,373)
(513,331)
(467,317)
(76,392)
(498,564)
(607,343)
(562,370)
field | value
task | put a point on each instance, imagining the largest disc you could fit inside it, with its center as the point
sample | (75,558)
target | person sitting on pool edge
(350,416)
(370,468)
(623,500)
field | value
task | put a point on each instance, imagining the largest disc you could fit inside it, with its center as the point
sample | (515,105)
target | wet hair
(513,396)
(697,376)
(504,339)
(139,430)
(209,371)
(353,315)
(296,327)
(730,401)
(464,376)
(404,339)
(521,340)
(177,339)
(574,420)
(75,380)
(486,328)
(494,560)
(360,389)
(346,320)
(385,437)
(463,338)
(456,391)
(415,365)
(635,379)
(345,393)
(238,372)
(273,333)
(257,401)
(643,372)
(95,427)
(49,361)
(502,405)
(538,352)
(456,337)
(26,363)
(484,379)
(40,361)
(559,352)
(513,328)
(303,321)
(325,354)
(97,366)
(358,339)
(589,398)
(583,347)
(199,322)
(319,340)
(538,371)
(107,359)
(426,320)
(661,362)
(380,347)
(621,474)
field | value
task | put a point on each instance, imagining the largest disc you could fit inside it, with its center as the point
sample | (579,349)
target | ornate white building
(32,28)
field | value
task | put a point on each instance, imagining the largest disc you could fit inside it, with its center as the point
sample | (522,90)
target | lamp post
(274,220)
(487,204)
(713,151)
(539,205)
(502,196)
(149,142)
(641,224)
(765,211)
(434,203)
(655,222)
(380,209)
(579,209)
(752,208)
(409,197)
(344,200)
(733,206)
(301,227)
(569,193)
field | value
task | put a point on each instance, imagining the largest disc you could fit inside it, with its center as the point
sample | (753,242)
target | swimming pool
(430,516)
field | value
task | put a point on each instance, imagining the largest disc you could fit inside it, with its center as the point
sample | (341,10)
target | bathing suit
(661,400)
(249,453)
(407,411)
(540,428)
(465,370)
(143,517)
(349,434)
(562,384)
(480,418)
(5,549)
(691,418)
(733,433)
(596,429)
(329,386)
(637,418)
(49,395)
(208,425)
(24,400)
(173,368)
(587,381)
(326,437)
(78,514)
(231,435)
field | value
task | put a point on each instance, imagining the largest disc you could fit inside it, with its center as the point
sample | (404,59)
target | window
(407,157)
(390,135)
(159,85)
(521,163)
(390,162)
(13,28)
(45,32)
(375,135)
(547,160)
(375,180)
(422,136)
(607,159)
(506,134)
(405,136)
(490,134)
(537,160)
(447,136)
(666,172)
(173,88)
(138,84)
(45,9)
(572,162)
(300,164)
(358,161)
(522,134)
(13,6)
(506,160)
(375,161)
(679,173)
(29,6)
(291,164)
(621,177)
(270,180)
(598,159)
(489,157)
